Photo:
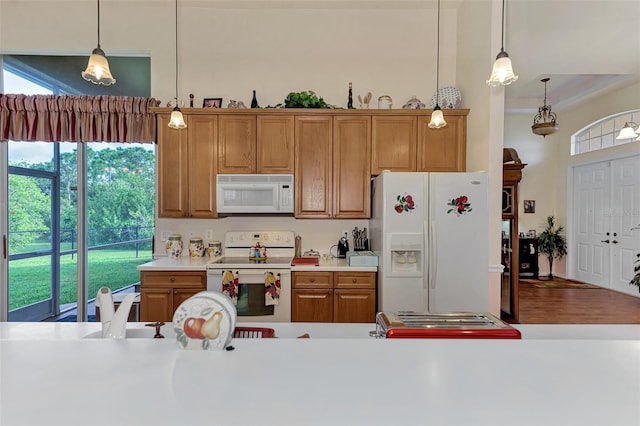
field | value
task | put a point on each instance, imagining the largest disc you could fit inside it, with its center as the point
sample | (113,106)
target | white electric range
(254,278)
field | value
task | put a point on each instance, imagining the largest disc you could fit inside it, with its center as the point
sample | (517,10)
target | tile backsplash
(317,234)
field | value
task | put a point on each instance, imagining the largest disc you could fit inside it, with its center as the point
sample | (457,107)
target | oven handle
(245,272)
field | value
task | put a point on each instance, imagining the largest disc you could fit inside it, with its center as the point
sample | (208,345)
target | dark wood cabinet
(528,259)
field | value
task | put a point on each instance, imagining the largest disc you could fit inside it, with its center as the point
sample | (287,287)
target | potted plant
(552,243)
(636,269)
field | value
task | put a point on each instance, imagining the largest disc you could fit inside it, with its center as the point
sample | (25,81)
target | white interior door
(606,202)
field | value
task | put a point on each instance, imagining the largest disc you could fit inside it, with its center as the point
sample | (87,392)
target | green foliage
(29,210)
(305,100)
(552,243)
(636,269)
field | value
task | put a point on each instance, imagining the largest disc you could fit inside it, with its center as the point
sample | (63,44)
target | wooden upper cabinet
(202,136)
(445,149)
(313,153)
(351,167)
(186,161)
(275,144)
(237,144)
(393,144)
(172,169)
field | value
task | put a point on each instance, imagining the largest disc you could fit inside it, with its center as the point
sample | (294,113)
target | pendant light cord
(502,39)
(176,53)
(98,23)
(438,59)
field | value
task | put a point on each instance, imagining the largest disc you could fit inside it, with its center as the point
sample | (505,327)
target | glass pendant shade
(437,119)
(177,120)
(98,71)
(502,73)
(627,131)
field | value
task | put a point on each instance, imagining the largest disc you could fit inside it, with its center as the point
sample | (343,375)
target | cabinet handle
(355,280)
(313,280)
(172,279)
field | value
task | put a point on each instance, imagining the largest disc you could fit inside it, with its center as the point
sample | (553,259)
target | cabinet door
(393,144)
(445,149)
(275,144)
(156,304)
(172,168)
(313,166)
(312,306)
(180,295)
(351,167)
(237,144)
(203,139)
(354,306)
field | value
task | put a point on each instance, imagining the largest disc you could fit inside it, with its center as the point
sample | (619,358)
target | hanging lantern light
(437,117)
(544,123)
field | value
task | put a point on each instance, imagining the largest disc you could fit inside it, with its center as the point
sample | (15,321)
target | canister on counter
(173,246)
(196,247)
(214,249)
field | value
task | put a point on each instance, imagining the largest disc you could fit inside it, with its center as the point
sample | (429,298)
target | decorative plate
(449,98)
(205,321)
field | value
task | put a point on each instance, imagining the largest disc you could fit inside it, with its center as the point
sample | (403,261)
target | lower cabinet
(333,297)
(161,292)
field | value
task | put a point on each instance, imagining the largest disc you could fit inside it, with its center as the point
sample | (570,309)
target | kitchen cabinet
(275,144)
(313,178)
(332,170)
(161,292)
(237,144)
(393,143)
(186,161)
(444,149)
(256,144)
(351,167)
(333,297)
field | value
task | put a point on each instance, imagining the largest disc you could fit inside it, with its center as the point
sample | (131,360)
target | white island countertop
(343,380)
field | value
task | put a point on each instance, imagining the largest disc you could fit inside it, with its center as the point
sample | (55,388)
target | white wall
(544,179)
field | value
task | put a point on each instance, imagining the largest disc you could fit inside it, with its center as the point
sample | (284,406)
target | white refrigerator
(430,231)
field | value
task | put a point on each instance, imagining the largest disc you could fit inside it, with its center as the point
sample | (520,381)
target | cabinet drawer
(312,279)
(193,280)
(355,280)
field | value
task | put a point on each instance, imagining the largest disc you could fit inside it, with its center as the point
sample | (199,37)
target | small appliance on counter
(343,246)
(362,258)
(452,325)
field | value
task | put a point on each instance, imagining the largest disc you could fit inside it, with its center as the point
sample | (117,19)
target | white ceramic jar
(196,247)
(384,102)
(173,246)
(214,249)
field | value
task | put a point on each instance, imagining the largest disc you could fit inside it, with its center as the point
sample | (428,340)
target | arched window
(602,134)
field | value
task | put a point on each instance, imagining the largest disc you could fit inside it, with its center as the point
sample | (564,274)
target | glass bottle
(254,100)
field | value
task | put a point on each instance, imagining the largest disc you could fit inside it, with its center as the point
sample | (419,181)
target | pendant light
(177,120)
(437,118)
(628,131)
(97,70)
(502,73)
(544,123)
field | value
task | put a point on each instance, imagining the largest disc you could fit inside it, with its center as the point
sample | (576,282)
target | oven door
(251,304)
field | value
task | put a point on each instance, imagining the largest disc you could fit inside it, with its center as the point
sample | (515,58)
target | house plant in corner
(552,243)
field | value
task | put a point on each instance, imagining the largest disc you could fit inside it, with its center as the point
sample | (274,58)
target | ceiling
(586,47)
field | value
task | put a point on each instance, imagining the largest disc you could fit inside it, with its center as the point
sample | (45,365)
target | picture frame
(529,206)
(212,103)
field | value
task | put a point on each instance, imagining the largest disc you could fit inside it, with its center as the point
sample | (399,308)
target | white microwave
(254,193)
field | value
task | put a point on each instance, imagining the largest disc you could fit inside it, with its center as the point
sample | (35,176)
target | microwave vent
(233,178)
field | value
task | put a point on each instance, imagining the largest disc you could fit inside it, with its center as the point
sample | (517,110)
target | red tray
(253,333)
(311,261)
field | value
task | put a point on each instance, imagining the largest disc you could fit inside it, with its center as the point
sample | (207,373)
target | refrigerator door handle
(433,255)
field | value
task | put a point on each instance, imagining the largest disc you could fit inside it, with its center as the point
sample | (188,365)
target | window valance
(52,118)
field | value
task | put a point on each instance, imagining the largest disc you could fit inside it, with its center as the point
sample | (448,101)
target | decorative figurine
(350,101)
(191,96)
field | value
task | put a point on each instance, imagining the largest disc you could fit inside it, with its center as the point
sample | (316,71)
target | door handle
(605,241)
(614,242)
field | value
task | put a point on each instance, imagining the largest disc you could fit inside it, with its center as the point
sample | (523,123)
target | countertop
(318,381)
(187,263)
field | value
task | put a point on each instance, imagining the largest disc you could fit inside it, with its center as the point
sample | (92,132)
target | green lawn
(29,279)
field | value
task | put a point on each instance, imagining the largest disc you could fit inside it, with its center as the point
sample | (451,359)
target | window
(602,134)
(42,206)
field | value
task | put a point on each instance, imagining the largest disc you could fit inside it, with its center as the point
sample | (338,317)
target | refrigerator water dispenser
(406,255)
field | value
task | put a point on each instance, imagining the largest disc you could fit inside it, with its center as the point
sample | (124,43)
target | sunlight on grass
(30,280)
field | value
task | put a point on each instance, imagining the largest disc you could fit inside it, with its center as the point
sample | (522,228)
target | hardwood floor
(576,306)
